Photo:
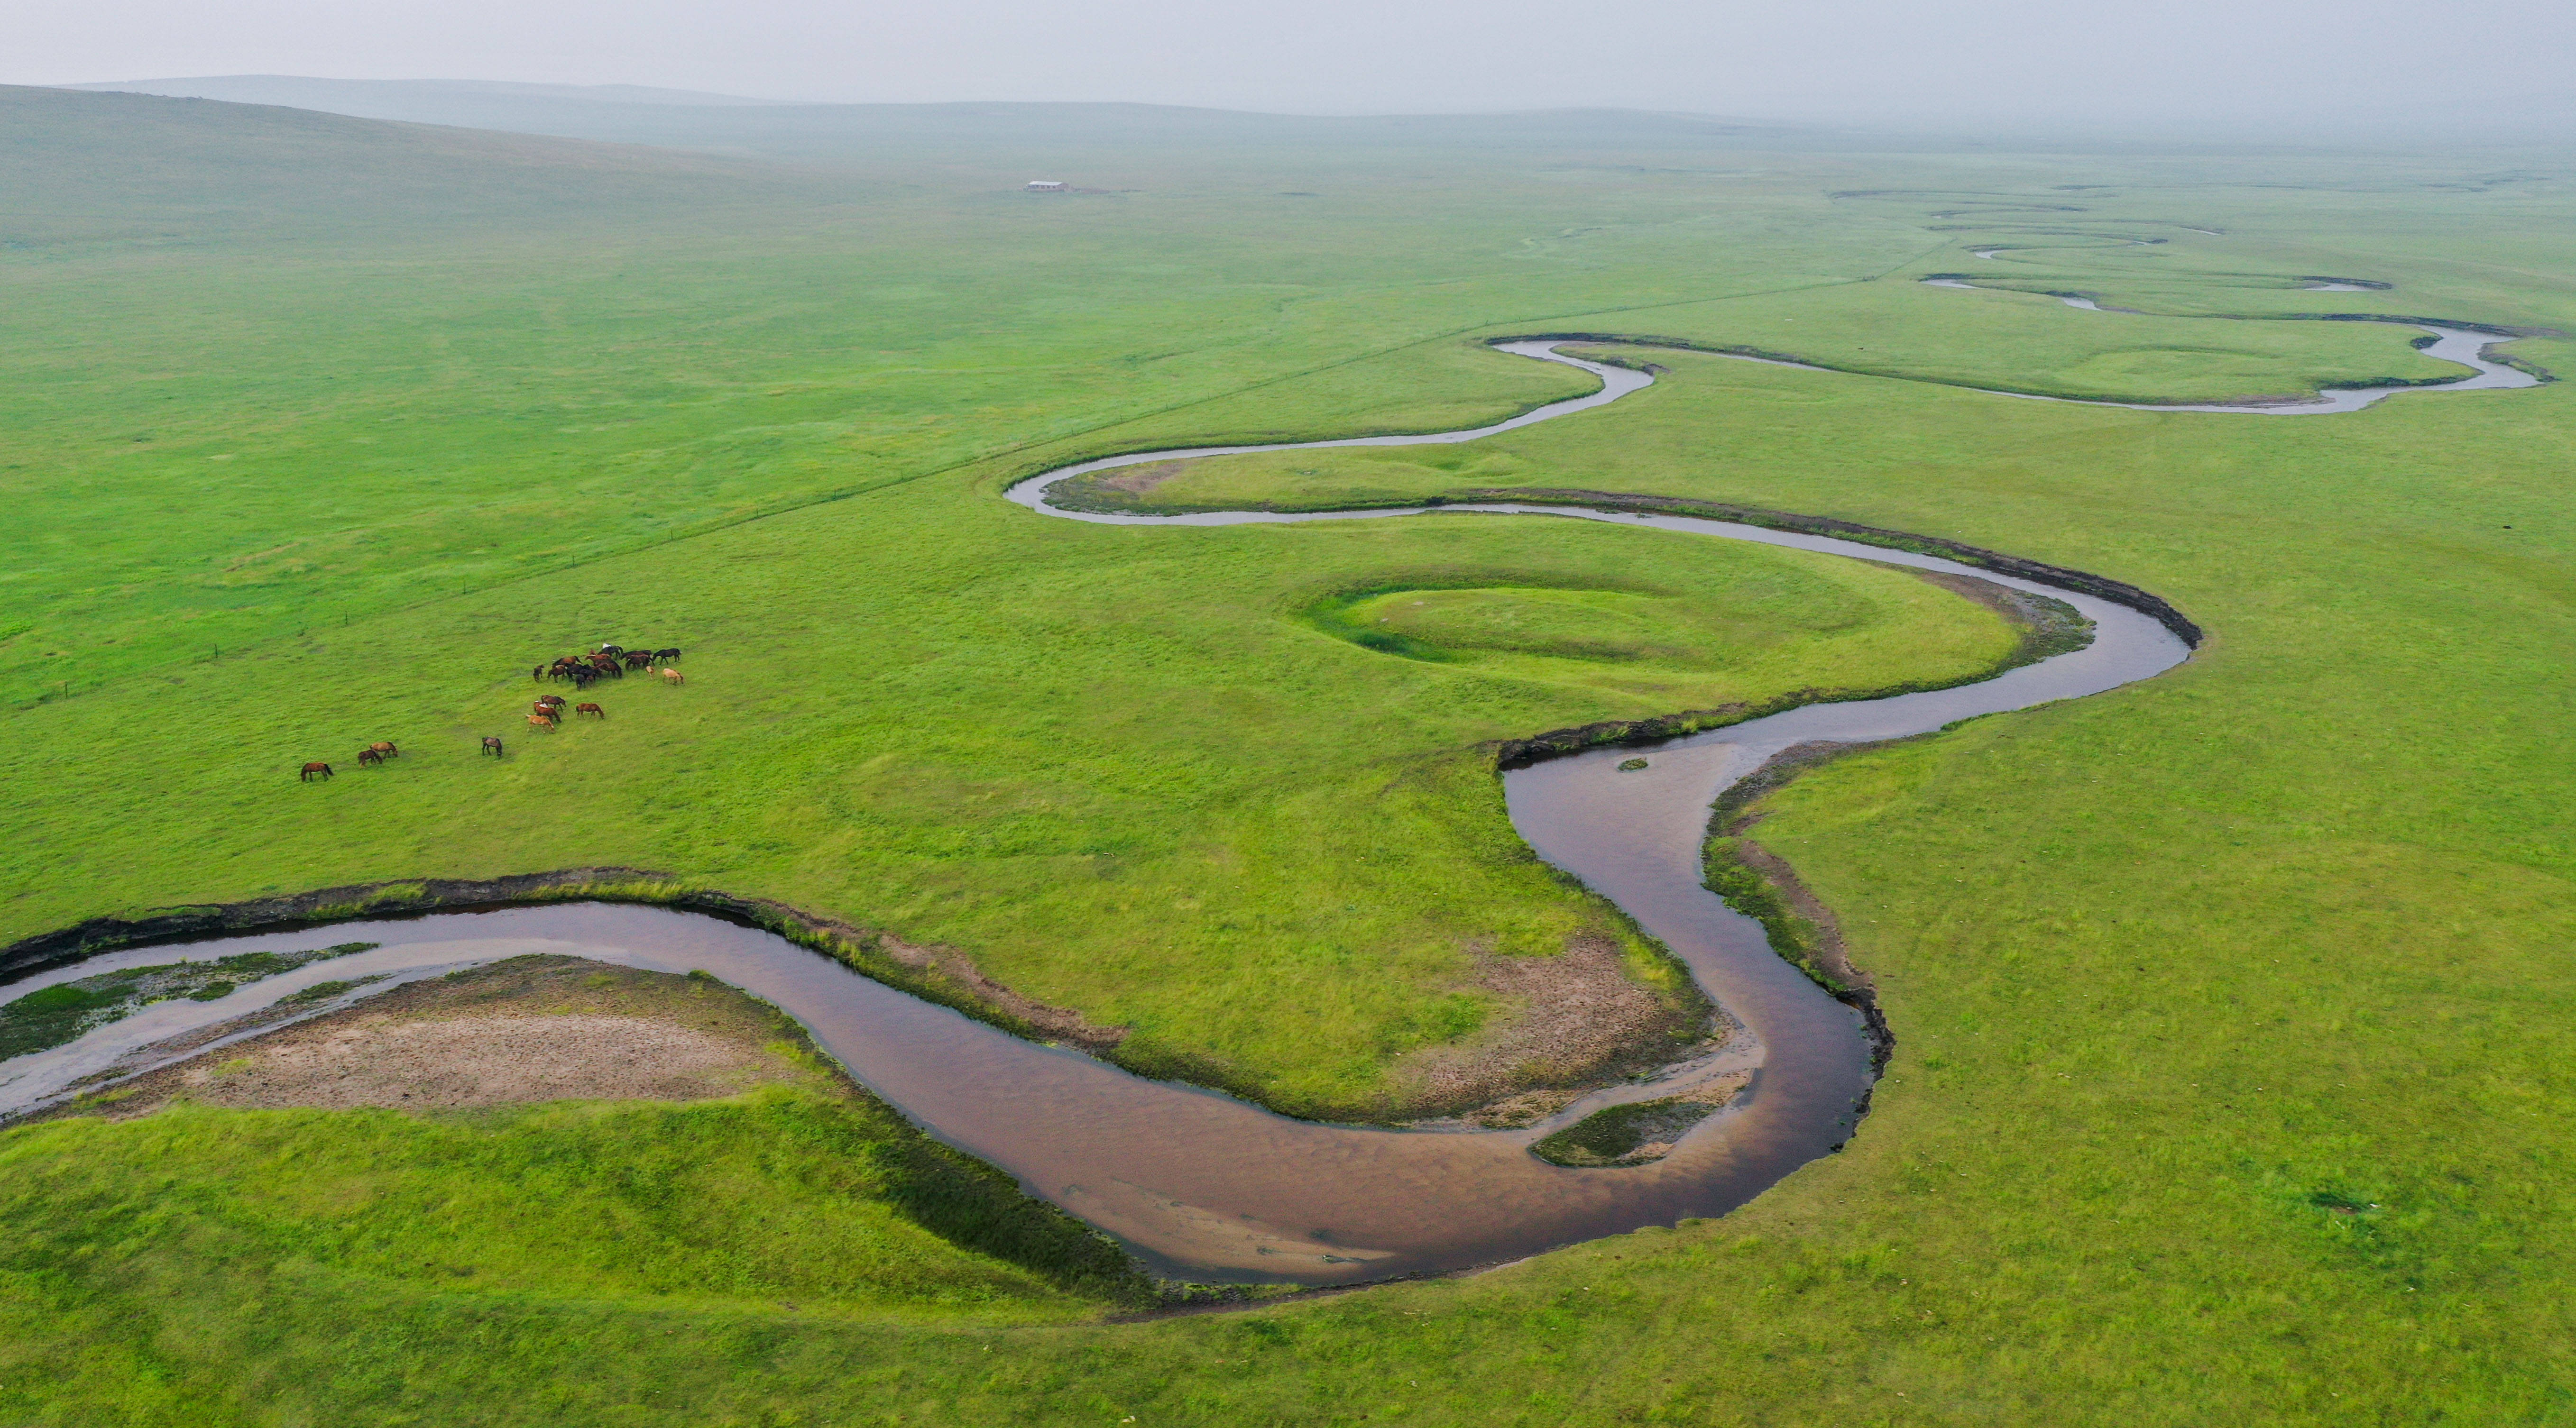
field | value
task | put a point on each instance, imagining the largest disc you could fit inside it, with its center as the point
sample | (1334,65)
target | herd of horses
(581,671)
(606,662)
(584,670)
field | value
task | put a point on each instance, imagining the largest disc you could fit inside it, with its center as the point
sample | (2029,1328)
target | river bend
(1204,1186)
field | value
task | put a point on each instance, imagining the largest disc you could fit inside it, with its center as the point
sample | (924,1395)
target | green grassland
(780,1194)
(1092,760)
(1715,643)
(2029,342)
(1120,773)
(2230,1008)
(801,1194)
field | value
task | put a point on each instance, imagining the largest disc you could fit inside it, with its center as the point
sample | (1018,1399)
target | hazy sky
(2114,62)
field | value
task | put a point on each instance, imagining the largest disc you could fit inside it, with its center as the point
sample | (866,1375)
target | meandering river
(1204,1186)
(2464,346)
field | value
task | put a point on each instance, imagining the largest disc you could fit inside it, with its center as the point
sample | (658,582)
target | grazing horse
(541,721)
(672,675)
(384,749)
(492,745)
(612,651)
(590,709)
(369,756)
(666,656)
(315,768)
(538,673)
(551,701)
(637,659)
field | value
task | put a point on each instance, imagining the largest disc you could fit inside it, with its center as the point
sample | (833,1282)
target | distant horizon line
(615,91)
(2484,127)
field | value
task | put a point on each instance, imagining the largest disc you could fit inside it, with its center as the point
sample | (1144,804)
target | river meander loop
(1204,1186)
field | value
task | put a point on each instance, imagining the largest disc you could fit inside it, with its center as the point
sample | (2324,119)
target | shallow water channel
(1204,1186)
(2450,344)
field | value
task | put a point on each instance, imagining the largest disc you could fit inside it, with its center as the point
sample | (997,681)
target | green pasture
(1114,766)
(2230,1009)
(780,1195)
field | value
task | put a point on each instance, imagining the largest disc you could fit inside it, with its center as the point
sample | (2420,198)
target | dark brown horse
(369,756)
(316,767)
(590,709)
(492,745)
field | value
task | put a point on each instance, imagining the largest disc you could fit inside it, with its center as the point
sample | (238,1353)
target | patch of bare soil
(1639,1132)
(529,1029)
(2047,626)
(1137,480)
(1526,1109)
(1572,1021)
(1051,1023)
(1831,952)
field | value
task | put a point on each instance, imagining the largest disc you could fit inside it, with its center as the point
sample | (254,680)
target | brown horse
(540,721)
(492,745)
(316,767)
(369,756)
(672,675)
(384,748)
(590,709)
(551,701)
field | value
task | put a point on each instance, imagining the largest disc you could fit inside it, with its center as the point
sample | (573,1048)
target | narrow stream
(1204,1186)
(2450,344)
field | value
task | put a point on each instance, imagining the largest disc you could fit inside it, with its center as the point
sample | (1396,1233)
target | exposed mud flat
(1640,1132)
(542,1028)
(1570,1022)
(1139,480)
